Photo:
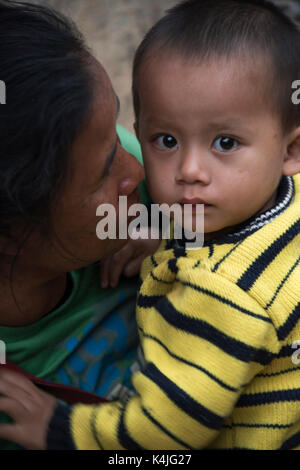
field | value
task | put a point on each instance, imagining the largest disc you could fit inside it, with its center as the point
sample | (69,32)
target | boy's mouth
(194,202)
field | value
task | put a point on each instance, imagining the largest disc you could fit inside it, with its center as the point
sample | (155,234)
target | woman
(60,158)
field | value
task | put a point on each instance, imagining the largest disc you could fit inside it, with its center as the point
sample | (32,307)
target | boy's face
(208,137)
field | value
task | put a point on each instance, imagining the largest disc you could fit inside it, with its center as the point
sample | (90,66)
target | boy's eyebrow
(110,158)
(214,124)
(225,123)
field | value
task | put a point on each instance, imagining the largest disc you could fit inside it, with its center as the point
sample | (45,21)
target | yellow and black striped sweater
(217,328)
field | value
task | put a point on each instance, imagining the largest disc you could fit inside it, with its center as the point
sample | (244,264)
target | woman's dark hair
(44,65)
(205,29)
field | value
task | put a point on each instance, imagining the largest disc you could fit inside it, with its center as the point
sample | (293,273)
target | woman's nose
(132,174)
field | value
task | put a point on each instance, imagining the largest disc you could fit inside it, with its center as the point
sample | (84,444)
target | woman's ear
(291,164)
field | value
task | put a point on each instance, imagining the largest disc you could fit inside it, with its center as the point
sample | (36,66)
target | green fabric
(130,143)
(41,354)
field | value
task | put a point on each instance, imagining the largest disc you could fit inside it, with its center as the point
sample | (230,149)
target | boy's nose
(193,169)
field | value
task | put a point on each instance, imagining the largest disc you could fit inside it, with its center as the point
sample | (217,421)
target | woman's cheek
(105,194)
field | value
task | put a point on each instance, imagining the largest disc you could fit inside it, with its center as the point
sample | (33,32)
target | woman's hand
(30,408)
(126,261)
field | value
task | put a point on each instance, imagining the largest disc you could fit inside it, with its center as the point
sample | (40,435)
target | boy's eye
(166,141)
(225,144)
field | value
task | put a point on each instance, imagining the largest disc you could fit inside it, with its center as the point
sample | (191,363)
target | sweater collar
(285,195)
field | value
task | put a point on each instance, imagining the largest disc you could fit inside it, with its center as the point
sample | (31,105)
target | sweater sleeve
(203,343)
(59,436)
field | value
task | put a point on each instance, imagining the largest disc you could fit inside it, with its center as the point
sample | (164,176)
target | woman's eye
(164,142)
(225,144)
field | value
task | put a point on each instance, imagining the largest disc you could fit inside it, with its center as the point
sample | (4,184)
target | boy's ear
(136,129)
(291,164)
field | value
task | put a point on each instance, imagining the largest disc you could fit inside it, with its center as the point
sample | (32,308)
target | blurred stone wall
(114,28)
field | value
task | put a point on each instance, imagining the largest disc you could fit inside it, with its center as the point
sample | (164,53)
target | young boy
(212,92)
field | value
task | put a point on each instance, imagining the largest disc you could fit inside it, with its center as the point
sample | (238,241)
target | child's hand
(126,261)
(30,408)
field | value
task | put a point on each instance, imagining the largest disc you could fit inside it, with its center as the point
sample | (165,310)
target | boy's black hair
(48,97)
(204,29)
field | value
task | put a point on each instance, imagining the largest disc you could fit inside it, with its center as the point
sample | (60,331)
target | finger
(10,432)
(119,261)
(14,391)
(134,266)
(12,408)
(15,379)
